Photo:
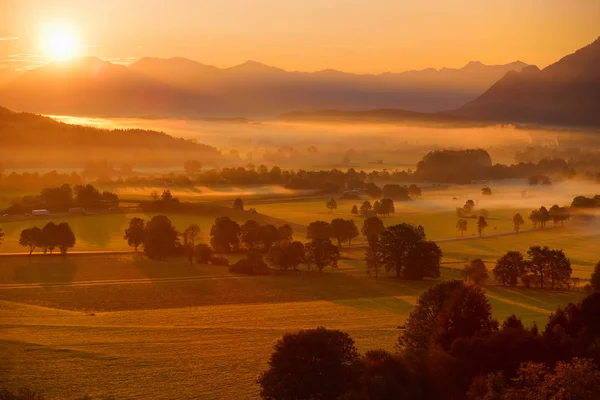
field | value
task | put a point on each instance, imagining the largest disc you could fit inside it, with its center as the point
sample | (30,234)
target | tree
(2,236)
(311,364)
(544,216)
(461,225)
(595,279)
(190,235)
(386,207)
(396,192)
(250,234)
(322,253)
(558,214)
(161,238)
(469,206)
(486,191)
(134,234)
(65,238)
(476,271)
(31,238)
(154,195)
(49,237)
(318,230)
(376,206)
(331,205)
(285,232)
(285,255)
(371,229)
(423,260)
(535,219)
(509,268)
(238,204)
(395,243)
(202,253)
(445,312)
(351,231)
(481,225)
(224,235)
(373,263)
(517,222)
(414,190)
(354,210)
(365,208)
(546,264)
(338,230)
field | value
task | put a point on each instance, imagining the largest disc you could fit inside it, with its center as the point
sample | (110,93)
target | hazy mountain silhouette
(182,87)
(35,140)
(566,92)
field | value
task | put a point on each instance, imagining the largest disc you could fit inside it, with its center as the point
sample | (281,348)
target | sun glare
(60,43)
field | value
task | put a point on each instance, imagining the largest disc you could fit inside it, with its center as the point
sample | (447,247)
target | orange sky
(366,36)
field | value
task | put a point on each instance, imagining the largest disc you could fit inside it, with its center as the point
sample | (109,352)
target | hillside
(566,93)
(34,140)
(182,87)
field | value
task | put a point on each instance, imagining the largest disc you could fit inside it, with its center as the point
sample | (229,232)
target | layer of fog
(334,145)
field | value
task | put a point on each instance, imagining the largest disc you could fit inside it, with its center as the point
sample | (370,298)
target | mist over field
(275,142)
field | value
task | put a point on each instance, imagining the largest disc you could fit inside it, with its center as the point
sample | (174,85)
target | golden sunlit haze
(60,42)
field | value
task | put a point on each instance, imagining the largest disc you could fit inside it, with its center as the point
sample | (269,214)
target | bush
(219,261)
(253,264)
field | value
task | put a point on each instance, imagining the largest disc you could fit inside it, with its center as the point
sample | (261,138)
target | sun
(60,43)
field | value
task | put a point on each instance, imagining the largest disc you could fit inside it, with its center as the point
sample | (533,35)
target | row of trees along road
(48,238)
(449,348)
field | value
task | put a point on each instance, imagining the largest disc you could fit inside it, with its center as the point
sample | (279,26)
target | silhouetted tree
(65,238)
(517,222)
(250,234)
(331,205)
(371,229)
(318,230)
(486,191)
(285,233)
(509,268)
(31,238)
(396,192)
(386,207)
(469,206)
(461,225)
(322,253)
(365,208)
(354,210)
(558,214)
(476,271)
(134,234)
(311,364)
(395,243)
(161,239)
(423,261)
(414,190)
(285,255)
(481,225)
(338,230)
(49,237)
(202,253)
(546,264)
(595,279)
(190,235)
(373,263)
(445,312)
(238,204)
(224,235)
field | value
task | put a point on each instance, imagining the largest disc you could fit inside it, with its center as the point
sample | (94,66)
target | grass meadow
(164,328)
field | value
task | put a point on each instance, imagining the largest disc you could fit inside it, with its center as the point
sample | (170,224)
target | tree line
(64,197)
(48,238)
(450,347)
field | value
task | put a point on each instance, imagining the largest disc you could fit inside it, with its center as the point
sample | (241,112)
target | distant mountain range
(182,87)
(566,92)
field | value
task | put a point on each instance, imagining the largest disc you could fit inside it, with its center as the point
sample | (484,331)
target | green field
(161,330)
